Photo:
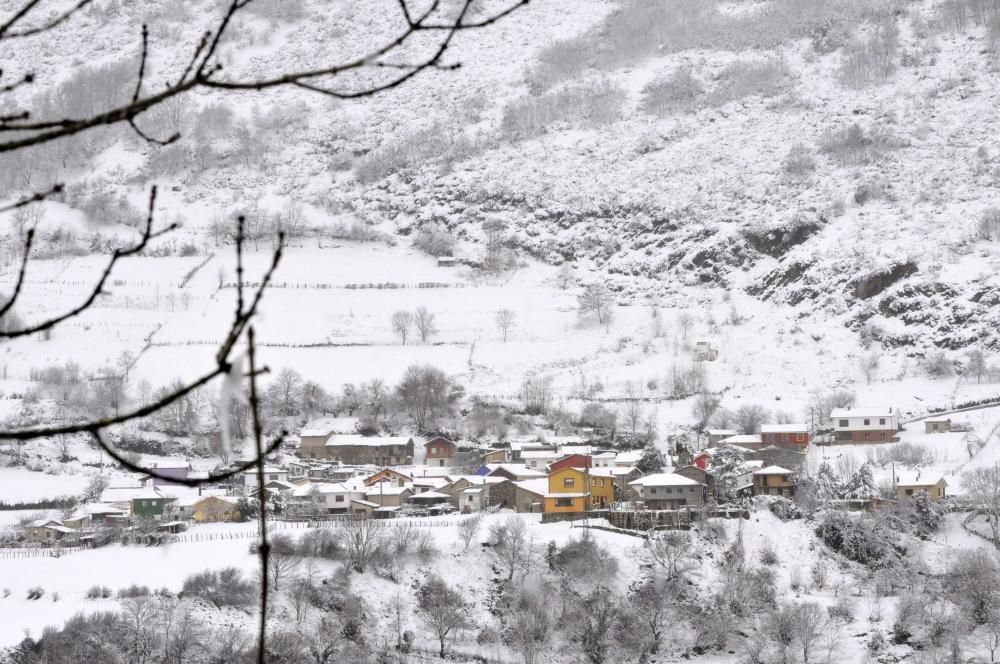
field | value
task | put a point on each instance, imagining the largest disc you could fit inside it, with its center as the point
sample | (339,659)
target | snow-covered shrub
(98,592)
(677,92)
(868,539)
(585,557)
(799,162)
(767,554)
(843,609)
(133,591)
(224,587)
(434,241)
(781,507)
(36,592)
(592,103)
(989,225)
(937,364)
(853,145)
(873,189)
(871,61)
(743,78)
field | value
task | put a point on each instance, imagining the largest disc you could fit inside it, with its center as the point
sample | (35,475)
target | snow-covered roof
(281,484)
(473,490)
(664,479)
(538,487)
(722,432)
(338,440)
(566,450)
(773,470)
(40,523)
(315,433)
(168,464)
(516,469)
(118,494)
(432,495)
(267,469)
(60,529)
(918,478)
(860,412)
(366,503)
(743,439)
(630,457)
(794,427)
(539,454)
(433,482)
(389,490)
(91,509)
(604,455)
(938,420)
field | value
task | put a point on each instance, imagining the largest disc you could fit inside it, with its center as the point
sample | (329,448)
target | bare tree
(982,487)
(442,609)
(285,392)
(685,321)
(284,558)
(976,364)
(509,541)
(869,364)
(596,300)
(469,528)
(704,407)
(423,320)
(505,322)
(654,609)
(401,323)
(810,620)
(750,417)
(363,539)
(672,552)
(529,625)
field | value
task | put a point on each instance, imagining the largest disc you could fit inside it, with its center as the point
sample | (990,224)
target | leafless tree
(976,364)
(869,364)
(505,322)
(284,559)
(509,541)
(363,538)
(529,625)
(672,552)
(537,393)
(982,487)
(654,604)
(423,320)
(704,407)
(596,300)
(442,609)
(750,417)
(285,392)
(469,528)
(685,321)
(810,620)
(401,323)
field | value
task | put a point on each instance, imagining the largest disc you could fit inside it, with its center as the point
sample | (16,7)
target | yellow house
(578,489)
(214,509)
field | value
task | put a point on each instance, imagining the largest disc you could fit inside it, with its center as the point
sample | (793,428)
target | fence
(14,554)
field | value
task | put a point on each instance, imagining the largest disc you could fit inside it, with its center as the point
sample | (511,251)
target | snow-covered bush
(592,103)
(98,592)
(743,78)
(677,92)
(799,162)
(224,587)
(868,539)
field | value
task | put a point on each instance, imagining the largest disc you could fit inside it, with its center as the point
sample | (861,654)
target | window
(668,490)
(867,421)
(652,490)
(564,502)
(881,420)
(338,499)
(909,492)
(881,434)
(868,434)
(602,482)
(842,423)
(568,481)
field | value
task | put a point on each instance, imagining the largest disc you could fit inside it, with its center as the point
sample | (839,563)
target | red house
(571,461)
(702,460)
(787,435)
(440,451)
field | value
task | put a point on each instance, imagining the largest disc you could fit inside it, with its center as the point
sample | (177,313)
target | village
(335,475)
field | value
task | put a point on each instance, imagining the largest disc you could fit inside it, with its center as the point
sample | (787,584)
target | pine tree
(651,461)
(828,485)
(862,485)
(926,514)
(727,465)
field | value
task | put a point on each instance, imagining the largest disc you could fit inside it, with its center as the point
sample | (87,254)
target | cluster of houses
(561,477)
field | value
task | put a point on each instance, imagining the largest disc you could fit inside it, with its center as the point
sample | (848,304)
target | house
(271,474)
(120,496)
(475,498)
(578,490)
(332,498)
(747,441)
(864,425)
(393,477)
(361,507)
(422,484)
(150,503)
(539,459)
(908,484)
(772,481)
(774,455)
(603,459)
(176,470)
(715,436)
(628,458)
(495,456)
(519,495)
(47,531)
(570,461)
(446,261)
(429,498)
(937,425)
(669,491)
(214,509)
(312,443)
(92,515)
(388,496)
(515,472)
(440,451)
(791,435)
(705,352)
